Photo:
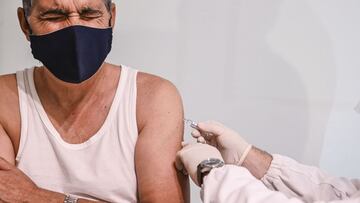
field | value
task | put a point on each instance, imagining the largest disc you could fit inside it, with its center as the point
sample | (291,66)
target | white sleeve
(306,182)
(232,184)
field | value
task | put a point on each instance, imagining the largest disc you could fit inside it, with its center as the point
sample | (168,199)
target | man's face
(51,15)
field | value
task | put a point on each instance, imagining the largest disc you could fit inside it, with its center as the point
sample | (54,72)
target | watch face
(212,163)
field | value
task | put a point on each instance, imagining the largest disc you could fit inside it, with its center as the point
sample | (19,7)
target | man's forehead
(46,4)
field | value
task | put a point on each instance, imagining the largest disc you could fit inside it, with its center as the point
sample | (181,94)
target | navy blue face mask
(73,54)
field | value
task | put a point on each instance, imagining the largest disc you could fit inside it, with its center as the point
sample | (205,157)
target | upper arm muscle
(159,140)
(6,147)
(9,117)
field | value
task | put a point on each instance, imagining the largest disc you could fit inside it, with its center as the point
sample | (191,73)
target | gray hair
(27,5)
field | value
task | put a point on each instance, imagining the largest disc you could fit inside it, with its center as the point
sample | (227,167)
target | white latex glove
(191,155)
(231,145)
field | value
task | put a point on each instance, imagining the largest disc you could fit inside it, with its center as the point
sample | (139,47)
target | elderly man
(80,129)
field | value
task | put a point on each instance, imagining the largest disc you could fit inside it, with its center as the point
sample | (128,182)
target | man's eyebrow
(57,11)
(90,10)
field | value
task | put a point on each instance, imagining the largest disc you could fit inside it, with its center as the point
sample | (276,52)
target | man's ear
(113,15)
(23,23)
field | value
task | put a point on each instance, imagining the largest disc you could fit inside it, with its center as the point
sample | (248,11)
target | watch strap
(70,199)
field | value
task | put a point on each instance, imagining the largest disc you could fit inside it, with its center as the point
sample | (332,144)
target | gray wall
(285,74)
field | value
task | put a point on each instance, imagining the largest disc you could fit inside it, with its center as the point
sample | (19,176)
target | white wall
(340,153)
(285,74)
(15,53)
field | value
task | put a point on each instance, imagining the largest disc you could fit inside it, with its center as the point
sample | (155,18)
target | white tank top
(101,168)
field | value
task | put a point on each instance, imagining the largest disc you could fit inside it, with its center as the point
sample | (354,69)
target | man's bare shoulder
(9,100)
(156,96)
(8,87)
(153,87)
(8,79)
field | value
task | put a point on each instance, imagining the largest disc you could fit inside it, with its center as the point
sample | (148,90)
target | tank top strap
(127,108)
(24,94)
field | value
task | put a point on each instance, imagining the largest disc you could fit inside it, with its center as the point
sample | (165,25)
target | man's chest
(79,125)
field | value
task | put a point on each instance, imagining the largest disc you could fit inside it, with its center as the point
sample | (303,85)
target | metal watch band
(70,199)
(206,166)
(201,175)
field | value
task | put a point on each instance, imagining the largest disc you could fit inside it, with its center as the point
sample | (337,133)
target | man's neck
(66,95)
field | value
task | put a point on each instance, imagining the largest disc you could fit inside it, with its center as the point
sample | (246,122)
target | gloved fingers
(195,134)
(201,140)
(211,127)
(179,164)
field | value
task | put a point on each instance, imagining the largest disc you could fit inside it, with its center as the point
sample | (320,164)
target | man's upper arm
(160,117)
(6,147)
(8,99)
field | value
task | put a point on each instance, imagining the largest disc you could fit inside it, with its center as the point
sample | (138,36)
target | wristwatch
(206,166)
(70,199)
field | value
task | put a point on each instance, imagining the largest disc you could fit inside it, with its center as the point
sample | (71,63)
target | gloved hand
(231,145)
(191,155)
